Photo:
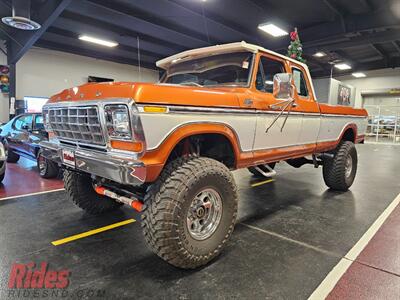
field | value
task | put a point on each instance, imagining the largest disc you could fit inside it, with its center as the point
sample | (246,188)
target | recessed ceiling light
(272,29)
(342,66)
(98,41)
(359,75)
(320,54)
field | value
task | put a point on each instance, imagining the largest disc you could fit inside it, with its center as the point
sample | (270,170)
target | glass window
(231,69)
(266,72)
(300,83)
(23,120)
(39,122)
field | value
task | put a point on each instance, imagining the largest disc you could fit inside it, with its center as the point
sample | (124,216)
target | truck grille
(78,124)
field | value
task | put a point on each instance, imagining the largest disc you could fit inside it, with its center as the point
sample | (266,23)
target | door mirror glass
(283,88)
(25,127)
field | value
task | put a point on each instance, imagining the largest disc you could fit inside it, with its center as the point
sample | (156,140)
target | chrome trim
(231,110)
(100,103)
(117,166)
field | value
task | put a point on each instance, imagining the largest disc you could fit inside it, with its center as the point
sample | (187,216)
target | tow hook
(134,203)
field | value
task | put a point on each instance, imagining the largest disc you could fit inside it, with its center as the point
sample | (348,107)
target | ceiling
(363,33)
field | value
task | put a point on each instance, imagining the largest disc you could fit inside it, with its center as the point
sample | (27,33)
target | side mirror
(283,88)
(25,127)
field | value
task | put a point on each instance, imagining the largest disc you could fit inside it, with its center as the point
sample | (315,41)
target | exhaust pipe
(134,203)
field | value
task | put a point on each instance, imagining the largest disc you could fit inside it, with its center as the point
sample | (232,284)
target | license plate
(68,158)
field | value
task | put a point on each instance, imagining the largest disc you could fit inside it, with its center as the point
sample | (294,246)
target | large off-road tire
(47,168)
(80,190)
(12,157)
(339,172)
(190,211)
(254,171)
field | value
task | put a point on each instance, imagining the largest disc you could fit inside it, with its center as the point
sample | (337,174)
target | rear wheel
(80,191)
(339,172)
(12,157)
(190,212)
(255,172)
(47,168)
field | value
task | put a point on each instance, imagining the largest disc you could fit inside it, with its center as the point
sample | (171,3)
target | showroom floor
(291,232)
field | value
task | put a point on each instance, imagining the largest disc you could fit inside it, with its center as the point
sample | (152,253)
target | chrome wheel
(348,166)
(42,164)
(204,214)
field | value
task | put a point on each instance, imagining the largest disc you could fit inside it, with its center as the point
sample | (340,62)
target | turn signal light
(155,109)
(128,146)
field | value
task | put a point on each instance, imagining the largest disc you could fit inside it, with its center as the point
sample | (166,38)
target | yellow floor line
(91,232)
(262,182)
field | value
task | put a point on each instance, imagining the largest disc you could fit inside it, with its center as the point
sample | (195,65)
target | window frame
(165,74)
(260,65)
(20,117)
(34,117)
(302,76)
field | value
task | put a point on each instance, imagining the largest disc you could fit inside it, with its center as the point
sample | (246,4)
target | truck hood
(152,94)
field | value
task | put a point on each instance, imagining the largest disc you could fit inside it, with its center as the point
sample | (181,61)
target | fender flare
(155,159)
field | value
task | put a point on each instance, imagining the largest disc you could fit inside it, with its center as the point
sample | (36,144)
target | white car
(3,159)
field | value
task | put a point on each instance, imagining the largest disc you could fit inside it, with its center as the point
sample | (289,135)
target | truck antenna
(138,53)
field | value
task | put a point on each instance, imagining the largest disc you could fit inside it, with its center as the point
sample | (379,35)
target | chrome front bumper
(119,167)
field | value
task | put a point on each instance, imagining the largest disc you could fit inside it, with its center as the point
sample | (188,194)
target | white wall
(327,90)
(42,73)
(375,80)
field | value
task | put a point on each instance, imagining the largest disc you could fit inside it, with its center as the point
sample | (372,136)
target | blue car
(21,137)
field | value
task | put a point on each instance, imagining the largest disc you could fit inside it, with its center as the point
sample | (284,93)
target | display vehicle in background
(167,149)
(21,137)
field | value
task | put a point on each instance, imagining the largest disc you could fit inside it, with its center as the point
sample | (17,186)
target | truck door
(281,134)
(307,105)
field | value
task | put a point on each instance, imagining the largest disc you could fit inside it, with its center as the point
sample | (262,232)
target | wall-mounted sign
(344,95)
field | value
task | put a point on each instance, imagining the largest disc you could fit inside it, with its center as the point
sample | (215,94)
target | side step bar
(271,172)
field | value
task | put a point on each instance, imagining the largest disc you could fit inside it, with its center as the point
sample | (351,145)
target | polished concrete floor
(290,233)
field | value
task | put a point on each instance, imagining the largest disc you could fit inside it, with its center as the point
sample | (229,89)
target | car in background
(21,137)
(3,158)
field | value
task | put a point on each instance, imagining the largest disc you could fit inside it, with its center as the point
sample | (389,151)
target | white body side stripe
(250,126)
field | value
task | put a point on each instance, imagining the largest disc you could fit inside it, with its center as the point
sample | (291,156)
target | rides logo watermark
(24,276)
(32,280)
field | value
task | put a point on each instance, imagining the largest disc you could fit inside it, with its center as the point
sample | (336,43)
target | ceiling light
(272,29)
(342,66)
(359,75)
(320,54)
(98,41)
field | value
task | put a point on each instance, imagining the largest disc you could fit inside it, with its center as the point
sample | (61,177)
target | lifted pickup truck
(167,149)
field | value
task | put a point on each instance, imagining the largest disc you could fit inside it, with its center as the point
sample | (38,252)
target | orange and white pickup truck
(167,149)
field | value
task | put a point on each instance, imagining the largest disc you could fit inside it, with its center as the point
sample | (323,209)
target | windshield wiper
(190,83)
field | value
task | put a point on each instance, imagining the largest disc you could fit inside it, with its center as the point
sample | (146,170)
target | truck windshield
(229,69)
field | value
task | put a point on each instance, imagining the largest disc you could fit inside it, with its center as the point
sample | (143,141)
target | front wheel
(190,211)
(47,168)
(80,190)
(339,172)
